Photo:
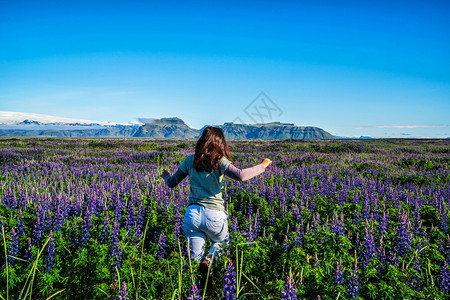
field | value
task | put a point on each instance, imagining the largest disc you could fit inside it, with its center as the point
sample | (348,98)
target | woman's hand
(266,162)
(164,174)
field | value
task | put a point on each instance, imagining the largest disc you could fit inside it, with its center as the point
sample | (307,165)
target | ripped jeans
(201,222)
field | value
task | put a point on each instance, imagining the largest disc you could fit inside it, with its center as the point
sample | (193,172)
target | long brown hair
(209,150)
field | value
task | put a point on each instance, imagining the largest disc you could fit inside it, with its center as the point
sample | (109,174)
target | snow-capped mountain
(21,118)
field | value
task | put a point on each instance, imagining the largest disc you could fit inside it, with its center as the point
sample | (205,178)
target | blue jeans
(201,222)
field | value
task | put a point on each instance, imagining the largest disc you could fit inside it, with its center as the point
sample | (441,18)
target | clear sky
(350,67)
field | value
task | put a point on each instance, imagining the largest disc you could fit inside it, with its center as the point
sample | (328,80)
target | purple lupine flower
(444,282)
(50,250)
(249,210)
(118,209)
(9,198)
(415,282)
(58,219)
(292,191)
(393,258)
(290,290)
(355,199)
(115,233)
(115,246)
(87,227)
(47,218)
(353,287)
(442,246)
(105,229)
(257,226)
(339,274)
(337,225)
(117,255)
(444,220)
(404,237)
(417,220)
(234,224)
(271,196)
(229,282)
(249,186)
(286,244)
(37,231)
(296,213)
(195,295)
(178,219)
(382,229)
(341,197)
(129,222)
(249,232)
(161,247)
(365,207)
(13,246)
(381,256)
(139,222)
(368,246)
(298,236)
(315,222)
(123,292)
(177,230)
(272,217)
(1,225)
(21,200)
(356,217)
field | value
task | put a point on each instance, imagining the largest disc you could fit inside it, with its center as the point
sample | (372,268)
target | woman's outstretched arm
(248,173)
(175,179)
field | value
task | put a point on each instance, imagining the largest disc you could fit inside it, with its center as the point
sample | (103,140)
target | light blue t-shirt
(205,188)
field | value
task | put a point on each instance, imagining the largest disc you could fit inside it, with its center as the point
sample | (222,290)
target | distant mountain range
(14,124)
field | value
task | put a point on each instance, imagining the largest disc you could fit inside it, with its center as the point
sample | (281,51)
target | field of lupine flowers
(337,219)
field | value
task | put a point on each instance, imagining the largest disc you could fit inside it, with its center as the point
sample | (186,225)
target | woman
(205,215)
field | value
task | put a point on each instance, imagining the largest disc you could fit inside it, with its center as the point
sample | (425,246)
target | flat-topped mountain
(167,128)
(274,130)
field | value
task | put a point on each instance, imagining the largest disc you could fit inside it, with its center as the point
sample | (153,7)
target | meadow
(333,219)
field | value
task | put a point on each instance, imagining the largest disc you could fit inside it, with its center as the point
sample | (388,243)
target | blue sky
(380,69)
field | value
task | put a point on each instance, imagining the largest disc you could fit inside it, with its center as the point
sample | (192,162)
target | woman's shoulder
(187,163)
(190,158)
(225,162)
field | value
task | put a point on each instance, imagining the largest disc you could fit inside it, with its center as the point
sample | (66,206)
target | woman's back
(205,187)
